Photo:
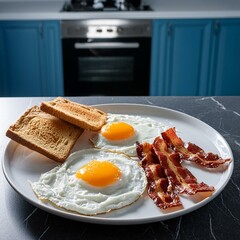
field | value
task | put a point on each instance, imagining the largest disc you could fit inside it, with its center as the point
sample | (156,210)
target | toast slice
(83,116)
(45,134)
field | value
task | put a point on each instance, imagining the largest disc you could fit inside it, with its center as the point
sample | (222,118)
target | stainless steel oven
(106,57)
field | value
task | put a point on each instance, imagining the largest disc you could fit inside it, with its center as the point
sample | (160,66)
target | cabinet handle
(41,30)
(216,27)
(169,29)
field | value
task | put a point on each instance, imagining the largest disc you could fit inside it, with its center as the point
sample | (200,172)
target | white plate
(21,165)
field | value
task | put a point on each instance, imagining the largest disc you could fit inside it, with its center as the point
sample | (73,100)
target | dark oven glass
(105,69)
(106,66)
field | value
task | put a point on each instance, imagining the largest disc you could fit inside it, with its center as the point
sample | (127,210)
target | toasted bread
(45,134)
(83,116)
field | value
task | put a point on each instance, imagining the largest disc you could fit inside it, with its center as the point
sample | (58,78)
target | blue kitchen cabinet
(195,57)
(225,64)
(180,57)
(30,58)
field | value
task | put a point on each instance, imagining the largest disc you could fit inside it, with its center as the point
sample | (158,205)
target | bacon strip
(192,152)
(160,189)
(179,177)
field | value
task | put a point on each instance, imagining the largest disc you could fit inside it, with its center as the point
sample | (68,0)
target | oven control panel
(106,28)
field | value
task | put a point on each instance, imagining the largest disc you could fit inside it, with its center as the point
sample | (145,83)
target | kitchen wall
(174,5)
(32,0)
(143,1)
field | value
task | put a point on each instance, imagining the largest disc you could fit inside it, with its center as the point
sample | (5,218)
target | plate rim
(129,221)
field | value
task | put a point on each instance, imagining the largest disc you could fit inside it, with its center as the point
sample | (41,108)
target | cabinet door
(3,77)
(225,65)
(180,57)
(52,83)
(30,58)
(21,58)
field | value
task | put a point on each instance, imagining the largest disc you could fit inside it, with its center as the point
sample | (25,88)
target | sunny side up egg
(122,131)
(92,182)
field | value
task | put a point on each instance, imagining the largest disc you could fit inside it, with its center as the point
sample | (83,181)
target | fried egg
(92,182)
(121,133)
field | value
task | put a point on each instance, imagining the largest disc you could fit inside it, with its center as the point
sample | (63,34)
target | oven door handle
(106,45)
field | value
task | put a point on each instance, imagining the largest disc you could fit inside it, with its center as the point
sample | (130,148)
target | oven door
(117,67)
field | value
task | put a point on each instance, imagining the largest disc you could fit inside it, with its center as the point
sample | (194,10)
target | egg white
(61,187)
(146,129)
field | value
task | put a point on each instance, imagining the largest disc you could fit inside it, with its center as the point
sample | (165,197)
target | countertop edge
(120,15)
(52,9)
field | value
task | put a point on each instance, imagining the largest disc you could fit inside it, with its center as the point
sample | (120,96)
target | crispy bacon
(160,189)
(191,152)
(179,177)
(166,176)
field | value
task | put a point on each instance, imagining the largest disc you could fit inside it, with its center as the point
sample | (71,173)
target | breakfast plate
(22,166)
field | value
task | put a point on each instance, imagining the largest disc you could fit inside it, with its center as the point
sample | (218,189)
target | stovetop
(79,7)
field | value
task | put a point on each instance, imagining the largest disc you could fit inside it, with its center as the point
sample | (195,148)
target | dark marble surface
(219,219)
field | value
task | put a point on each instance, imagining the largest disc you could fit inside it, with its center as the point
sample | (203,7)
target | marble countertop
(32,10)
(219,219)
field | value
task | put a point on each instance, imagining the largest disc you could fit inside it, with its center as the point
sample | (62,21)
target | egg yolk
(117,131)
(99,173)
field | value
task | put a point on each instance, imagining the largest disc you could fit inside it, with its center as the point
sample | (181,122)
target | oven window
(106,69)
